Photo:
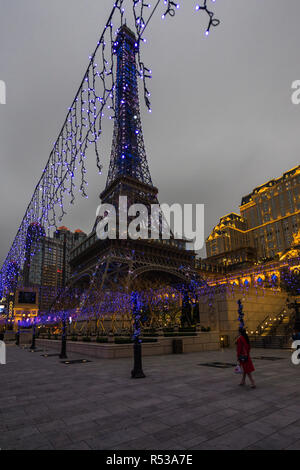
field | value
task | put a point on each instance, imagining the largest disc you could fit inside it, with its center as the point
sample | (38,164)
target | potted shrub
(101,339)
(86,339)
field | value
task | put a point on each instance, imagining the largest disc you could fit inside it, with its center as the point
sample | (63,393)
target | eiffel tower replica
(116,262)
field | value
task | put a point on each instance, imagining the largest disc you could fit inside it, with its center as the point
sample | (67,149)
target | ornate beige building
(270,216)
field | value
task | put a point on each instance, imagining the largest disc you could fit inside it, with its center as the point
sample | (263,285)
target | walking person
(243,356)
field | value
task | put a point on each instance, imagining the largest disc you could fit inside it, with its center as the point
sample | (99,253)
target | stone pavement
(45,404)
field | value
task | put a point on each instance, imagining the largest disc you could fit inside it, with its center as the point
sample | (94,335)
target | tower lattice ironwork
(128,155)
(114,262)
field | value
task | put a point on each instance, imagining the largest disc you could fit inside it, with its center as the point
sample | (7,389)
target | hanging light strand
(212,20)
(66,167)
(65,172)
(143,13)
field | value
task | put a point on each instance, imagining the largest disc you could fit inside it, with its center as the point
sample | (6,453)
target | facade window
(274,209)
(294,224)
(290,201)
(281,204)
(269,234)
(258,215)
(265,206)
(286,226)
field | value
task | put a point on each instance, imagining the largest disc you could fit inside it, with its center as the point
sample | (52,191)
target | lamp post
(137,372)
(186,309)
(63,352)
(196,311)
(18,335)
(6,320)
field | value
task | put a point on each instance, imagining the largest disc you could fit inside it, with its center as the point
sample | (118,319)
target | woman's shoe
(242,383)
(253,386)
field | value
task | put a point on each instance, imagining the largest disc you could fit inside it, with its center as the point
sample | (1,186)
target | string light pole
(18,335)
(63,352)
(186,309)
(241,314)
(33,346)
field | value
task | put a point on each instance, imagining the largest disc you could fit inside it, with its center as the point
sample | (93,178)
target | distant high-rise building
(270,216)
(47,261)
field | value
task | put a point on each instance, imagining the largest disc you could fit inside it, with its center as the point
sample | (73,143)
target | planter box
(163,345)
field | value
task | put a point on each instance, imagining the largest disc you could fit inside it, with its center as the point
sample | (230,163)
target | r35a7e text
(166,459)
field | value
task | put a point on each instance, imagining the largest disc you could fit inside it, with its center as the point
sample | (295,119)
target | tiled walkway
(179,405)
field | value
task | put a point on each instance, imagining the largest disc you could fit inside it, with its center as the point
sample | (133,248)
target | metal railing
(271,338)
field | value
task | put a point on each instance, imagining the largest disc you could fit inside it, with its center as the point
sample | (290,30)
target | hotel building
(269,218)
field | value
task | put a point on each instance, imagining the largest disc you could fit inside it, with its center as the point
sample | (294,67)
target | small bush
(188,329)
(130,341)
(123,340)
(101,339)
(205,329)
(86,339)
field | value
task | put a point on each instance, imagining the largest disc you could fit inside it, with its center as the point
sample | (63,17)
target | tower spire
(128,155)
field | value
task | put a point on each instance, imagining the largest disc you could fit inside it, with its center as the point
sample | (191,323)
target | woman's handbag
(243,358)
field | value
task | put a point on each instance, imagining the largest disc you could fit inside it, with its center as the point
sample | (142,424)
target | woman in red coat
(243,356)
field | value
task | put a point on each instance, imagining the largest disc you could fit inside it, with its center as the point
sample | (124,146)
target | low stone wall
(202,342)
(9,336)
(26,337)
(221,311)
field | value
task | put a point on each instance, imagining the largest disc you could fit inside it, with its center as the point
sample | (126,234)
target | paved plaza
(45,404)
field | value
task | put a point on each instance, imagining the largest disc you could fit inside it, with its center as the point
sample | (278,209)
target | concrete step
(275,342)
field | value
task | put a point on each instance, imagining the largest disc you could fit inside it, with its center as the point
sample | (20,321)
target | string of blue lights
(94,100)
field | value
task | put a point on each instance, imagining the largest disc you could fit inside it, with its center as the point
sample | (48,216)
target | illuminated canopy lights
(94,100)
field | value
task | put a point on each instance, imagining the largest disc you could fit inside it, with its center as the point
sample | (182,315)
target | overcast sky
(222,120)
